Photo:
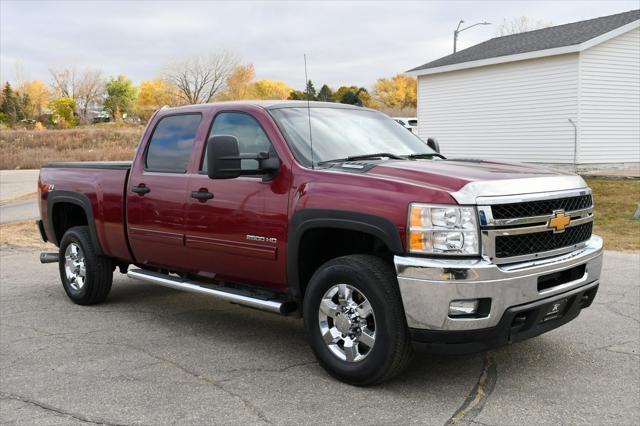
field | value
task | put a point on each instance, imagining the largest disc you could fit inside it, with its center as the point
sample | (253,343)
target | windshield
(341,133)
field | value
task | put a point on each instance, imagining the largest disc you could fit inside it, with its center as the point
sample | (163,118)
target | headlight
(437,229)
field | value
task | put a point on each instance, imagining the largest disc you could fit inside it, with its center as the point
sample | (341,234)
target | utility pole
(458,31)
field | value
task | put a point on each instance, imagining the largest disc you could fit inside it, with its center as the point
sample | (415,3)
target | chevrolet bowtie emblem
(559,221)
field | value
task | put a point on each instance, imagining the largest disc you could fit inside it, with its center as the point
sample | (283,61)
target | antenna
(306,82)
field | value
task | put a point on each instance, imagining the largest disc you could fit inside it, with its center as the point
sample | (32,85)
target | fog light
(463,307)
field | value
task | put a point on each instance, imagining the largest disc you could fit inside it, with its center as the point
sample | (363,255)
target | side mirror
(224,160)
(433,144)
(223,157)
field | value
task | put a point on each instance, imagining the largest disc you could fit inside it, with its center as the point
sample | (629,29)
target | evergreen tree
(11,105)
(311,91)
(325,94)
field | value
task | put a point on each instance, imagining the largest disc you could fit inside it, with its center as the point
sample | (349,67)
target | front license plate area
(555,310)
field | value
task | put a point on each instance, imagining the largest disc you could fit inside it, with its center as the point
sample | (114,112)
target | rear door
(156,193)
(240,233)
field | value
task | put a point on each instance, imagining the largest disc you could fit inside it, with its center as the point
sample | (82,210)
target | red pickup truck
(337,214)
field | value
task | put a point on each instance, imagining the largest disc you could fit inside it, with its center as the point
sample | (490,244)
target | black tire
(376,280)
(99,269)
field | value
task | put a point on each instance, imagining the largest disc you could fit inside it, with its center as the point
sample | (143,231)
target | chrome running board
(246,299)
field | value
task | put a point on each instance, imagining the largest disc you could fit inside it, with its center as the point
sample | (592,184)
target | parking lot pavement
(152,355)
(14,183)
(19,211)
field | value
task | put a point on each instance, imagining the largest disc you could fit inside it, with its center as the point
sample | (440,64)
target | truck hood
(467,179)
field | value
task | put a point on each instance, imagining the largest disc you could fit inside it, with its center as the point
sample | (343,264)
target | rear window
(172,142)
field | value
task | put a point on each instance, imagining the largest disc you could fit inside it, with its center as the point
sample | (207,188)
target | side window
(171,143)
(251,137)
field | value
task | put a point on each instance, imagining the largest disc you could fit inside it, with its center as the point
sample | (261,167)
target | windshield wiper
(426,155)
(364,157)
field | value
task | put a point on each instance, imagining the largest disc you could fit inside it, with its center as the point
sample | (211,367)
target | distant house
(518,97)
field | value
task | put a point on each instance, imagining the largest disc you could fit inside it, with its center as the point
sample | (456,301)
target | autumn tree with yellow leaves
(38,95)
(271,89)
(153,95)
(398,92)
(241,85)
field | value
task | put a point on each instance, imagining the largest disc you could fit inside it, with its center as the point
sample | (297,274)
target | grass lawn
(615,202)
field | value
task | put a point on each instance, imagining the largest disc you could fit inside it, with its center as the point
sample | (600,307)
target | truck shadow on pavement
(245,331)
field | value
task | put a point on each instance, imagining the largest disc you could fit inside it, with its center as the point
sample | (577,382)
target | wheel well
(319,245)
(65,216)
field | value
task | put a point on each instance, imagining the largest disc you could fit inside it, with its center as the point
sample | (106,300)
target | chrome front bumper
(429,285)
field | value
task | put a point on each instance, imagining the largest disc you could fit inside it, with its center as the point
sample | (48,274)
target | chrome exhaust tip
(49,257)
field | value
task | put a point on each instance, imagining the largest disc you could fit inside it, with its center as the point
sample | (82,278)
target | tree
(521,24)
(38,97)
(297,95)
(200,78)
(270,89)
(311,91)
(239,83)
(85,87)
(11,105)
(353,95)
(398,92)
(325,94)
(63,111)
(308,94)
(153,95)
(121,96)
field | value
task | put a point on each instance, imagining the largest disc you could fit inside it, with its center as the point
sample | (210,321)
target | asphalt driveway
(152,355)
(15,184)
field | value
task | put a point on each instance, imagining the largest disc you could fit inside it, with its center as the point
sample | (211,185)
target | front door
(240,233)
(157,190)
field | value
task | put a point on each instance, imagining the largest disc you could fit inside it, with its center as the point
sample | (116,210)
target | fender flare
(80,200)
(306,219)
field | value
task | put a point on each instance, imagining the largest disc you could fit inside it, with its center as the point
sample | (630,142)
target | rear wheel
(86,277)
(354,320)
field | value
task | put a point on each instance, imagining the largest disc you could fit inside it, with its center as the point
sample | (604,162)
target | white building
(518,97)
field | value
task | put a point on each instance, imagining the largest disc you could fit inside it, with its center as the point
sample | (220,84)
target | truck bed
(98,186)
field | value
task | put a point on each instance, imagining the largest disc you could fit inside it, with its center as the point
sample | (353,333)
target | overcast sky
(346,42)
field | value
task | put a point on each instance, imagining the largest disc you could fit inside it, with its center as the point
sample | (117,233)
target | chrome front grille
(517,228)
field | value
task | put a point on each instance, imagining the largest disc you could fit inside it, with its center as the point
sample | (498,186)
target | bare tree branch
(521,24)
(200,79)
(85,87)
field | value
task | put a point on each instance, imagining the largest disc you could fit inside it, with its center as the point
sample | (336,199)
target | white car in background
(409,123)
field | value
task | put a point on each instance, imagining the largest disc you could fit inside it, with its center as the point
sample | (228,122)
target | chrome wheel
(74,266)
(347,323)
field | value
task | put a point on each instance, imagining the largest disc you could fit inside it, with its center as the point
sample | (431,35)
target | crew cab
(334,213)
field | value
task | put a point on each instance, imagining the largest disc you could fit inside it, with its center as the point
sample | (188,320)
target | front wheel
(86,277)
(354,320)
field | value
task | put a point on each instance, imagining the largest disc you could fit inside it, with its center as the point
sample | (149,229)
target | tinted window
(251,137)
(171,143)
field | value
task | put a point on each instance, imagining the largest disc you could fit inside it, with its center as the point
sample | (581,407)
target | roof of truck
(270,104)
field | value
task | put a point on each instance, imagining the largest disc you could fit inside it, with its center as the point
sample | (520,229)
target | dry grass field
(615,201)
(30,149)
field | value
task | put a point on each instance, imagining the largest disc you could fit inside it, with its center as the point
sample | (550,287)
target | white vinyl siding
(609,108)
(517,111)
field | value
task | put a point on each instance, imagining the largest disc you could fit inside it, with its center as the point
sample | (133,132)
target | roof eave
(528,55)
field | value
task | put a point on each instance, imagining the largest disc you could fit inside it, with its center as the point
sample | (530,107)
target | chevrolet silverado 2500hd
(335,213)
